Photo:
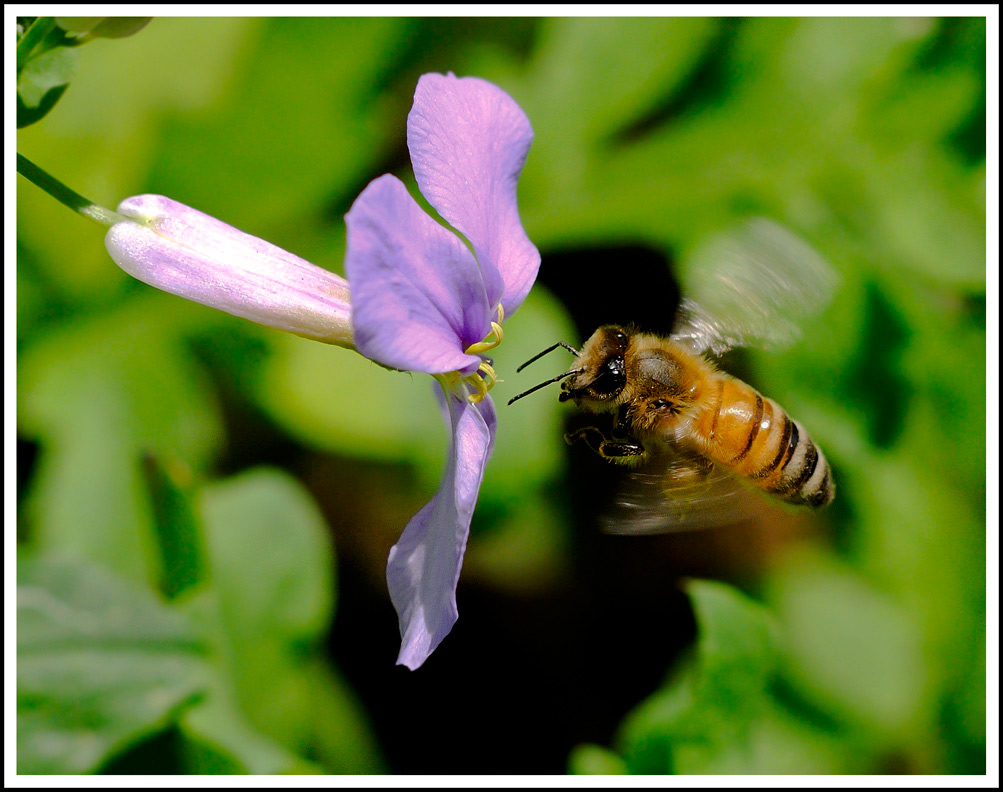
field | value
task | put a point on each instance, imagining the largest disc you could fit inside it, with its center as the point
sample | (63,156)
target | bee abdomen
(753,436)
(803,477)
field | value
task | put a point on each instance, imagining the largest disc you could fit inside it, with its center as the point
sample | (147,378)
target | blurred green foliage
(161,597)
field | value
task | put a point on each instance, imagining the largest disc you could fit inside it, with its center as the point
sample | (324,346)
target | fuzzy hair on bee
(698,437)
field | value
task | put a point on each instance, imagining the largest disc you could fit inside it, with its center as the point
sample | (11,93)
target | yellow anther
(485,378)
(481,388)
(481,381)
(496,331)
(489,373)
(488,342)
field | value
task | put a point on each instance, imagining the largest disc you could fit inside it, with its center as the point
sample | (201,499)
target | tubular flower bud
(185,252)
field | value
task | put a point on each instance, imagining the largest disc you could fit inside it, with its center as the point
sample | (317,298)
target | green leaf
(736,641)
(102,27)
(218,739)
(179,534)
(99,394)
(41,74)
(34,33)
(644,61)
(26,116)
(42,83)
(595,760)
(694,724)
(271,556)
(101,664)
(342,739)
(273,573)
(77,26)
(310,126)
(273,580)
(339,401)
(86,498)
(851,649)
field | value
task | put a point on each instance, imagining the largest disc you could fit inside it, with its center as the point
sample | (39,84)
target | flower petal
(468,141)
(418,298)
(185,252)
(424,565)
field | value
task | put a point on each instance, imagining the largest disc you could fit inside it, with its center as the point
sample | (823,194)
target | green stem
(65,195)
(38,30)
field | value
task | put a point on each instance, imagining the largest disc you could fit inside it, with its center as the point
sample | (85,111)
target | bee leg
(607,449)
(616,450)
(590,434)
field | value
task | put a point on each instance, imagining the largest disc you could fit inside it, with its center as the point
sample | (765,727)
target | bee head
(600,373)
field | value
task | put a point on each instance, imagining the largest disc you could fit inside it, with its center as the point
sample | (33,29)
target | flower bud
(185,252)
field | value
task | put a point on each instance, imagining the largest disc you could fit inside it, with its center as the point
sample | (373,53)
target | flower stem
(65,195)
(37,31)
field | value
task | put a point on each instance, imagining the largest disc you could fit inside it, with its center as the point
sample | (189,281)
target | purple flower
(422,301)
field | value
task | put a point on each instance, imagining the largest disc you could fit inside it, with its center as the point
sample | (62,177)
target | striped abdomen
(753,437)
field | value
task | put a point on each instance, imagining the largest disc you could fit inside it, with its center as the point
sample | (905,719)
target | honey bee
(693,433)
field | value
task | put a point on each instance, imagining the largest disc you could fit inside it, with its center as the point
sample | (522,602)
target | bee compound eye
(611,379)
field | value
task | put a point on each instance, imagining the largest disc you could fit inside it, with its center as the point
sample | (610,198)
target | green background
(187,480)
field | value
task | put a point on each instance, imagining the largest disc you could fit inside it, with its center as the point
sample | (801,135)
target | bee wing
(751,286)
(679,491)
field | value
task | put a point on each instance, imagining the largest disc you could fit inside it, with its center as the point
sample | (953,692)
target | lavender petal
(468,141)
(418,298)
(424,565)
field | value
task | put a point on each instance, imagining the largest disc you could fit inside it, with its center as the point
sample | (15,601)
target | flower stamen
(481,381)
(496,331)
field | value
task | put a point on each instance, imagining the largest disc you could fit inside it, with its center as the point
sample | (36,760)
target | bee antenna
(558,378)
(547,351)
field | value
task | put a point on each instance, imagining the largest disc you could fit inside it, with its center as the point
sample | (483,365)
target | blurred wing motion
(751,286)
(679,491)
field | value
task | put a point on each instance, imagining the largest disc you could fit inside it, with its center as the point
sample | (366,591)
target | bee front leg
(613,450)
